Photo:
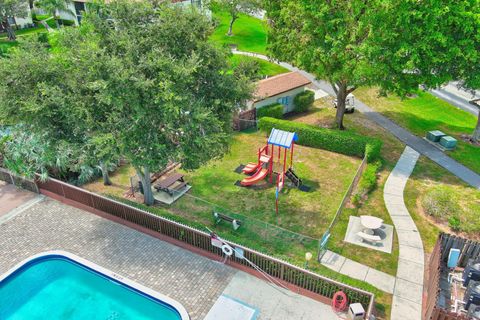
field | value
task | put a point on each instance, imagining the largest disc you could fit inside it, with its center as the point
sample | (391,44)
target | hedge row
(343,142)
(274,110)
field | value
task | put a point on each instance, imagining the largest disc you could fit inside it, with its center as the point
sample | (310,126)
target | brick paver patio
(193,280)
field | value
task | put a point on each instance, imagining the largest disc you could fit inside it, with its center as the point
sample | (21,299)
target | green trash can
(435,135)
(448,142)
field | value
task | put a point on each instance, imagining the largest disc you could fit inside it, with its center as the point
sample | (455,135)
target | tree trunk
(230,28)
(105,175)
(341,101)
(10,33)
(476,132)
(146,184)
(57,23)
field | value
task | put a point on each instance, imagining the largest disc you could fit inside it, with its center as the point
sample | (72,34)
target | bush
(303,101)
(343,142)
(368,181)
(272,110)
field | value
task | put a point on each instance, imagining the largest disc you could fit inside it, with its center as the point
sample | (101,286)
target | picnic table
(171,183)
(371,224)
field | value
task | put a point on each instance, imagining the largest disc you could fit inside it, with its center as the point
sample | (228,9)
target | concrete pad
(404,223)
(408,270)
(381,280)
(408,290)
(403,309)
(274,302)
(12,197)
(354,270)
(410,238)
(226,308)
(412,254)
(386,233)
(333,260)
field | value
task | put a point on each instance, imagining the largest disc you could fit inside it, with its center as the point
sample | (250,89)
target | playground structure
(267,166)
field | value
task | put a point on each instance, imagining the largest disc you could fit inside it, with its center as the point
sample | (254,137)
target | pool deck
(194,281)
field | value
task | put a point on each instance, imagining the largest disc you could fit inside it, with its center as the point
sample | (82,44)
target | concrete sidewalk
(345,266)
(402,134)
(408,292)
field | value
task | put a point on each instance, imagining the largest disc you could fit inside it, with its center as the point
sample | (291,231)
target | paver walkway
(408,292)
(193,280)
(353,269)
(402,134)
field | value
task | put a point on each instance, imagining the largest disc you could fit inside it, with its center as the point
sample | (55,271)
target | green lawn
(6,45)
(427,112)
(214,189)
(3,36)
(249,33)
(429,177)
(266,68)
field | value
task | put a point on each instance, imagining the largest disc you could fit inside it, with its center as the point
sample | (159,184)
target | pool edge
(139,288)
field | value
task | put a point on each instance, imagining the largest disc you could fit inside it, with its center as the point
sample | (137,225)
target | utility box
(356,312)
(435,135)
(448,142)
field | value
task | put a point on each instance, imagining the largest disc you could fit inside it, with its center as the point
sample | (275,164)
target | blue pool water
(59,288)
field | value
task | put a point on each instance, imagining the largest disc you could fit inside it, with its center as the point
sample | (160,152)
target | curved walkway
(408,291)
(417,143)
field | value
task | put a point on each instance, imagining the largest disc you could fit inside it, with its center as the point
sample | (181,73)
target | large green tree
(395,45)
(173,97)
(11,9)
(145,83)
(57,94)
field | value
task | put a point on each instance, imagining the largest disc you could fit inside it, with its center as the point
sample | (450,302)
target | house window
(284,100)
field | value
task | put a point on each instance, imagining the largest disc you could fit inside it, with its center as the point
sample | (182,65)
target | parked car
(349,104)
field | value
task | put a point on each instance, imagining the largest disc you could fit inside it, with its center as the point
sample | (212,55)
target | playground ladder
(297,182)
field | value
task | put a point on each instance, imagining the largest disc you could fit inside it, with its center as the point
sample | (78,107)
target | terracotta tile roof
(278,84)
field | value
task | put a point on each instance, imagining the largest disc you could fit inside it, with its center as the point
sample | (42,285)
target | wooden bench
(373,239)
(171,184)
(219,217)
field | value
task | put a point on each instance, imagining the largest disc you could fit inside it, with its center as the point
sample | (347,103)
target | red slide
(258,176)
(251,167)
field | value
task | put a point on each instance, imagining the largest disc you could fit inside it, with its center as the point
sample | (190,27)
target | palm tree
(54,7)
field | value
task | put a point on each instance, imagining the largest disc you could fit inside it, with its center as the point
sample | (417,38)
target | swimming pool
(60,285)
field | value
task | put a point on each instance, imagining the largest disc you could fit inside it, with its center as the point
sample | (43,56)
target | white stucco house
(20,22)
(279,89)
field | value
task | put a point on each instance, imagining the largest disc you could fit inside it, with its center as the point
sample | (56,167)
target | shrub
(454,223)
(274,110)
(343,142)
(368,181)
(303,101)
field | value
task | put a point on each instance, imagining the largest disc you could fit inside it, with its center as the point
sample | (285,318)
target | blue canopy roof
(282,138)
